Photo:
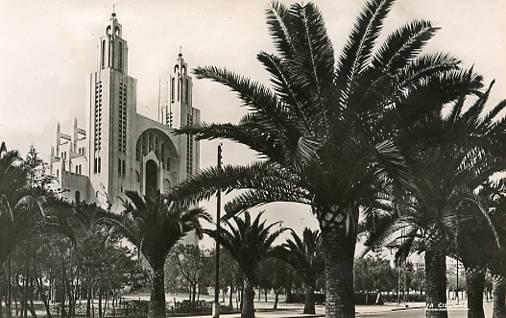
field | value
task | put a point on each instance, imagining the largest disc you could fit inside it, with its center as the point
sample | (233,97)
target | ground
(264,309)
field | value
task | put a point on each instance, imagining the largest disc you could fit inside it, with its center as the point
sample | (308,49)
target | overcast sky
(48,49)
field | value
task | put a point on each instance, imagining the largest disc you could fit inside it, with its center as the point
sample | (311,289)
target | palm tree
(496,194)
(154,226)
(248,241)
(327,127)
(304,255)
(18,207)
(449,157)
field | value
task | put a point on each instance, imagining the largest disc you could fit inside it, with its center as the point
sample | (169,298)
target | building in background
(117,149)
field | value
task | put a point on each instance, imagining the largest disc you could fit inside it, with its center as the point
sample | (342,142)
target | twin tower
(120,150)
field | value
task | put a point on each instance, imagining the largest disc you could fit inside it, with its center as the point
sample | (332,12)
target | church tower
(110,116)
(176,110)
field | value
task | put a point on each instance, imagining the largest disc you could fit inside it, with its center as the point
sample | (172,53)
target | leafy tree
(273,273)
(193,264)
(248,241)
(305,256)
(327,128)
(155,226)
(374,274)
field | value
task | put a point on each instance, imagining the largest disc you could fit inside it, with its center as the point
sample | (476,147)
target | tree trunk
(248,307)
(88,302)
(499,294)
(309,307)
(475,285)
(157,301)
(276,299)
(339,249)
(9,281)
(435,283)
(230,296)
(241,295)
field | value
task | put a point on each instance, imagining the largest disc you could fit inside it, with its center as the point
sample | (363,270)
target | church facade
(117,149)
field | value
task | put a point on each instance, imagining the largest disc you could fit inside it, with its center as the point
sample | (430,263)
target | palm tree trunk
(248,309)
(88,302)
(230,296)
(475,285)
(157,300)
(309,300)
(435,283)
(499,294)
(339,250)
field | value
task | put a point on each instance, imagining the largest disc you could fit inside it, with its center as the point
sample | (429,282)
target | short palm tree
(495,255)
(327,127)
(154,226)
(248,241)
(18,207)
(304,255)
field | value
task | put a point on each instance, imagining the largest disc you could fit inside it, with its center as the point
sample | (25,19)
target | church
(117,149)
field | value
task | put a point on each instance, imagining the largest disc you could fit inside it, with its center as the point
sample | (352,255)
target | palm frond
(279,22)
(253,94)
(403,45)
(256,198)
(313,67)
(357,51)
(258,175)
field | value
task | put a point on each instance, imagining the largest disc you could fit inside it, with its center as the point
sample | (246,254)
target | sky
(48,48)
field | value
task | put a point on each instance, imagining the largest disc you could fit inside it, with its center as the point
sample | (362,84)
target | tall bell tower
(110,116)
(175,109)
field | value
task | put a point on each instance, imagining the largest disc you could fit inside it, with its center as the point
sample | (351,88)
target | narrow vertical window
(172,89)
(111,54)
(120,53)
(178,87)
(102,56)
(186,91)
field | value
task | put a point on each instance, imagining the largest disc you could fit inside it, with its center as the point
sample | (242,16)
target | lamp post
(216,305)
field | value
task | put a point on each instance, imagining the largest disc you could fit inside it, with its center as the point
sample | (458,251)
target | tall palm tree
(304,255)
(154,226)
(248,241)
(327,126)
(449,157)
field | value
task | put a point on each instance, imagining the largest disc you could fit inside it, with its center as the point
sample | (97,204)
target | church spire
(113,48)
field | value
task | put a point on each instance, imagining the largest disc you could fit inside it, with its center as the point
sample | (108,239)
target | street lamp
(216,304)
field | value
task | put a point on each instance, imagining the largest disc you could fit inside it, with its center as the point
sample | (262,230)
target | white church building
(117,149)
